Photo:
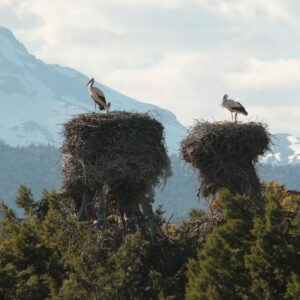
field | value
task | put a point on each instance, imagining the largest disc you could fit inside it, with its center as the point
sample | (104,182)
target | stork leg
(231,116)
(107,108)
(235,117)
(95,107)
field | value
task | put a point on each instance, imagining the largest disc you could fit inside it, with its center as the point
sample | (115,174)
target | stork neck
(91,85)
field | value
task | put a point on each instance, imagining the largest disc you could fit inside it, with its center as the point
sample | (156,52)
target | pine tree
(293,287)
(25,199)
(219,271)
(273,257)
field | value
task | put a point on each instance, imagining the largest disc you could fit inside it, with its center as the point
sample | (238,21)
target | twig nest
(224,154)
(116,149)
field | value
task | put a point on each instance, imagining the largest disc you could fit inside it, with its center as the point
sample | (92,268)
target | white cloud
(266,74)
(248,10)
(166,4)
(281,119)
(4,3)
(181,55)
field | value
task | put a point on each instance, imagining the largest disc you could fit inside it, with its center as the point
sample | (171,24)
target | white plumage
(234,107)
(98,96)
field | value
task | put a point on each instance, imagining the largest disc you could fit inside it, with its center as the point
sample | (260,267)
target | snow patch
(295,147)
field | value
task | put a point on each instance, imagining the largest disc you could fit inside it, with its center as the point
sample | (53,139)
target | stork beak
(88,82)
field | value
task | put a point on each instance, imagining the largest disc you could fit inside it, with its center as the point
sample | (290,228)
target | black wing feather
(103,99)
(240,109)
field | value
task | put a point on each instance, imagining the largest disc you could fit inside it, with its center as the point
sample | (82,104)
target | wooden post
(148,212)
(81,213)
(102,209)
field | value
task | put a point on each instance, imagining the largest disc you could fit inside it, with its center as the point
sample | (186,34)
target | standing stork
(98,96)
(234,107)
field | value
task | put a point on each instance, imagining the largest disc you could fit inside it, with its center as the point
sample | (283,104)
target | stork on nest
(234,107)
(98,96)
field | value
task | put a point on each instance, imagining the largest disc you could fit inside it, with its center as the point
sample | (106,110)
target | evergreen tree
(219,271)
(293,287)
(273,257)
(28,265)
(25,199)
(50,255)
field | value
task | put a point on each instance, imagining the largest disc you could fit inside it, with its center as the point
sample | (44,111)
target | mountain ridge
(41,96)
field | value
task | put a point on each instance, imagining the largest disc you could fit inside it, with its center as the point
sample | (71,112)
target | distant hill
(39,167)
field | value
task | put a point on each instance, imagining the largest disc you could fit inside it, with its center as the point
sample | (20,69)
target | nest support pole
(81,215)
(149,216)
(101,212)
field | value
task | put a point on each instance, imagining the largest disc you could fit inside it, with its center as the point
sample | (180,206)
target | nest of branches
(206,224)
(125,151)
(224,155)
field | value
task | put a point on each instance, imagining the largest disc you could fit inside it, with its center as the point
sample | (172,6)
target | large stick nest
(117,149)
(224,154)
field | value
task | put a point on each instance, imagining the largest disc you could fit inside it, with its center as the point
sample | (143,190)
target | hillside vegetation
(34,166)
(39,167)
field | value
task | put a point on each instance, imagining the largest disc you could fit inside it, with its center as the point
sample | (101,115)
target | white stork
(234,107)
(98,96)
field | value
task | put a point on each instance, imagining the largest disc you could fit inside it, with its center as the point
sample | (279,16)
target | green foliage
(54,256)
(28,264)
(293,287)
(273,261)
(250,256)
(7,213)
(219,271)
(25,199)
(49,255)
(271,258)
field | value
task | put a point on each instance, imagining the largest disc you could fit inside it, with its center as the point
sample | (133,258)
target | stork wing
(240,108)
(99,92)
(233,103)
(100,97)
(100,101)
(240,105)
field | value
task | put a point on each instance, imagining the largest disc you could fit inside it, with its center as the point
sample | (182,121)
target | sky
(183,55)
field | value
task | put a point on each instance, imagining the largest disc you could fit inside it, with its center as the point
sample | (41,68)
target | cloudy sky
(182,55)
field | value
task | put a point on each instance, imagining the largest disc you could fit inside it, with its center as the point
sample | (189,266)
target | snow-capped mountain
(36,98)
(286,150)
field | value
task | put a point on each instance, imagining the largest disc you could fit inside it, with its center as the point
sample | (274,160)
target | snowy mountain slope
(36,98)
(286,150)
